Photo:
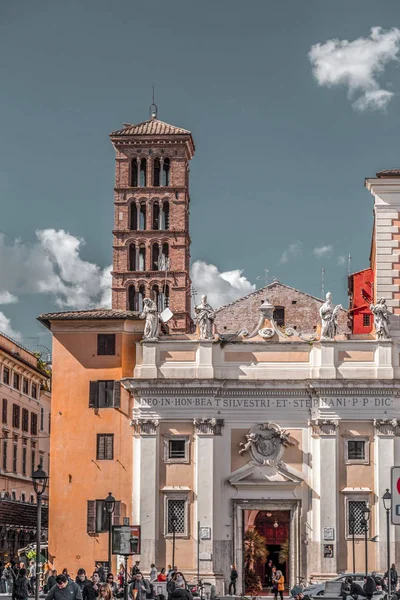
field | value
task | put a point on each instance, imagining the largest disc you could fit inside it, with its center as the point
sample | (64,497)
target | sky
(291,105)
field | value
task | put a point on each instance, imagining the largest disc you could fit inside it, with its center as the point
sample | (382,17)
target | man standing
(21,586)
(232,581)
(51,582)
(135,569)
(139,588)
(64,590)
(32,575)
(85,585)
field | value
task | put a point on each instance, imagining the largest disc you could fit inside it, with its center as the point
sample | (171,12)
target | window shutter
(94,394)
(109,447)
(117,513)
(91,516)
(101,344)
(110,345)
(100,447)
(117,394)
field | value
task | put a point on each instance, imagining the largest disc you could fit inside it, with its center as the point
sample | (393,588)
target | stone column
(205,430)
(146,489)
(328,486)
(161,172)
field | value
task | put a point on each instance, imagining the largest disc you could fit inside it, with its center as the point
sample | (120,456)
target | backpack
(21,588)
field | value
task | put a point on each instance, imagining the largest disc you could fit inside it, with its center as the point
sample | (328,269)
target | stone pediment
(277,475)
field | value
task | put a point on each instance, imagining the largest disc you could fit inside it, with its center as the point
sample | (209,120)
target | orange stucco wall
(76,476)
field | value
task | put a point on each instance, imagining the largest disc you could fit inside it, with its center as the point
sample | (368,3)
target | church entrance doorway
(266,545)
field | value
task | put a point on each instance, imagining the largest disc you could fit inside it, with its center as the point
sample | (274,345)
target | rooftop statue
(150,313)
(328,313)
(381,316)
(205,316)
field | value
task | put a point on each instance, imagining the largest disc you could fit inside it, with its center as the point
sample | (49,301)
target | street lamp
(387,503)
(174,522)
(109,503)
(352,525)
(39,480)
(364,525)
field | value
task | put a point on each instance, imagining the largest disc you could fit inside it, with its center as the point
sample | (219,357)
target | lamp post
(109,503)
(387,503)
(39,480)
(174,522)
(364,524)
(352,524)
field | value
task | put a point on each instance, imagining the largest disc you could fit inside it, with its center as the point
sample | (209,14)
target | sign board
(329,533)
(205,533)
(395,485)
(126,539)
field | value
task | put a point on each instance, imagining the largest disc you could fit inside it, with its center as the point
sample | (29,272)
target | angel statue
(205,316)
(150,313)
(328,313)
(381,317)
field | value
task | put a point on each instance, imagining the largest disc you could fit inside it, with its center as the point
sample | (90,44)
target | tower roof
(150,127)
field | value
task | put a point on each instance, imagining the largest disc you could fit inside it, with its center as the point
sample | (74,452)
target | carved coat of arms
(265,443)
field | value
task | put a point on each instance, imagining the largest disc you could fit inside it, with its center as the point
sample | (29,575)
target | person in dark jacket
(355,588)
(86,586)
(22,586)
(369,587)
(51,582)
(394,578)
(233,579)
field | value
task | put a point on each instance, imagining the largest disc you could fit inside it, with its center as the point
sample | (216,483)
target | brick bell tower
(151,247)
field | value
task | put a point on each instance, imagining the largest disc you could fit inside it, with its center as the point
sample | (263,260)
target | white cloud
(322,251)
(5,327)
(357,65)
(291,252)
(7,298)
(220,288)
(341,260)
(52,264)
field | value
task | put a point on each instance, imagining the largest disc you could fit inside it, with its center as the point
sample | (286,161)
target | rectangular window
(6,375)
(97,516)
(34,390)
(106,344)
(101,517)
(32,498)
(24,460)
(25,386)
(16,382)
(34,421)
(176,449)
(33,461)
(15,457)
(5,455)
(104,394)
(355,517)
(25,419)
(176,515)
(16,415)
(4,411)
(23,497)
(356,450)
(366,320)
(105,446)
(13,495)
(41,418)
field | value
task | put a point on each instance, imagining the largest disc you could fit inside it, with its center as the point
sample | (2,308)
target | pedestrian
(162,576)
(113,585)
(47,574)
(85,585)
(153,573)
(64,589)
(7,577)
(135,568)
(139,588)
(32,575)
(105,592)
(394,578)
(101,571)
(280,585)
(232,581)
(67,575)
(121,575)
(22,586)
(369,587)
(51,582)
(268,573)
(2,586)
(96,583)
(180,591)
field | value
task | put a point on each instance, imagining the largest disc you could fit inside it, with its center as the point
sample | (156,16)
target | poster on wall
(329,533)
(328,551)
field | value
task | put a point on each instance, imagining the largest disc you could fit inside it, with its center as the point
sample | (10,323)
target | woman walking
(279,585)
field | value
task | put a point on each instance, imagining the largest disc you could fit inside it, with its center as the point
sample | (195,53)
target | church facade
(266,418)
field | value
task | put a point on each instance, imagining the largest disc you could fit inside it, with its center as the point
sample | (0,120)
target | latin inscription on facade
(279,403)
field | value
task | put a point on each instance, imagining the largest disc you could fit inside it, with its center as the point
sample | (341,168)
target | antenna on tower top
(323,282)
(153,108)
(349,265)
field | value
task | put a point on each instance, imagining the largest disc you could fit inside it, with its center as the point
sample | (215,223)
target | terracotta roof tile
(388,173)
(23,514)
(95,313)
(151,127)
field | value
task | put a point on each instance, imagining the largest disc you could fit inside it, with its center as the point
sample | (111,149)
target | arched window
(142,216)
(133,224)
(132,298)
(164,258)
(165,215)
(134,173)
(156,215)
(164,298)
(279,316)
(156,172)
(165,173)
(132,257)
(155,251)
(143,173)
(142,258)
(155,295)
(141,297)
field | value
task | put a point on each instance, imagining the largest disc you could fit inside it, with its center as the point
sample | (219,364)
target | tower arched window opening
(166,172)
(134,173)
(133,217)
(132,257)
(142,217)
(142,258)
(156,215)
(155,295)
(155,252)
(164,258)
(165,215)
(132,298)
(156,172)
(143,173)
(142,294)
